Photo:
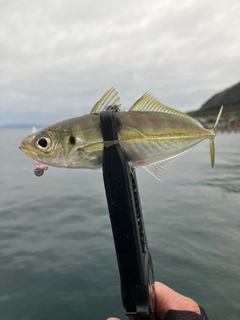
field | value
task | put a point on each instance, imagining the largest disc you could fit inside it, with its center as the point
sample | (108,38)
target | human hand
(168,299)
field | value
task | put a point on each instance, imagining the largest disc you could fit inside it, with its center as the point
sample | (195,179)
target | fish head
(47,146)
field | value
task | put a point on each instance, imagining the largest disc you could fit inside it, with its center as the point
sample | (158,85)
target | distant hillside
(230,99)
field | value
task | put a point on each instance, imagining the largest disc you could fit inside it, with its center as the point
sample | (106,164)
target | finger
(168,299)
(113,319)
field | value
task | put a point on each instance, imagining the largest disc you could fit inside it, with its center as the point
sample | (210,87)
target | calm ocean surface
(57,258)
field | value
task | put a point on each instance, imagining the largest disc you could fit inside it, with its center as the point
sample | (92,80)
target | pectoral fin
(92,147)
(98,146)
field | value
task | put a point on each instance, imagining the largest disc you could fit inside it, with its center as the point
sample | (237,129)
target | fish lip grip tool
(133,257)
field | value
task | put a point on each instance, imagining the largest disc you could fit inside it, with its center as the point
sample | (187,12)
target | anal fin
(158,169)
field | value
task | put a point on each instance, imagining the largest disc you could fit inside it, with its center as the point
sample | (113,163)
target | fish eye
(43,143)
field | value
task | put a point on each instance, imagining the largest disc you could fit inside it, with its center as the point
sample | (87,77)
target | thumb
(168,299)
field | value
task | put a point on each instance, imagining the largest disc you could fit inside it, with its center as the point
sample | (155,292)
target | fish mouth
(22,148)
(27,151)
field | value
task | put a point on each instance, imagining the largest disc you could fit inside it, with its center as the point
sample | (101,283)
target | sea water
(57,258)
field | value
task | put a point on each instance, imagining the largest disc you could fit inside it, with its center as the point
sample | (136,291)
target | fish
(150,134)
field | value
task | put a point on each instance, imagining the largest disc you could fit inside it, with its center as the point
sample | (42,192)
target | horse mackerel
(151,136)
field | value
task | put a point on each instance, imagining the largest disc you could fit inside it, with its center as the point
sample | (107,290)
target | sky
(57,58)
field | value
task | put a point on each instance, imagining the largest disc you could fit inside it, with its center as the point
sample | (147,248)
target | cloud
(57,58)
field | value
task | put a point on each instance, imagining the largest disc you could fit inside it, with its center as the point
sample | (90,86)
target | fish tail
(212,146)
(212,152)
(217,120)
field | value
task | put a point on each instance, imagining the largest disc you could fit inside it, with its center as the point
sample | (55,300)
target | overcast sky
(57,58)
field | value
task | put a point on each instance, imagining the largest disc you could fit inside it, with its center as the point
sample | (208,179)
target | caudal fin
(212,146)
(217,120)
(212,152)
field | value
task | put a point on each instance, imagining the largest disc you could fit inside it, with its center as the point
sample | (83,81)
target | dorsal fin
(147,103)
(110,98)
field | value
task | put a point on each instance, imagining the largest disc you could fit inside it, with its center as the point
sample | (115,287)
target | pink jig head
(39,166)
